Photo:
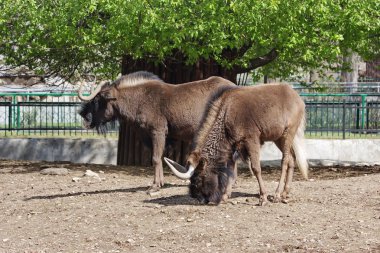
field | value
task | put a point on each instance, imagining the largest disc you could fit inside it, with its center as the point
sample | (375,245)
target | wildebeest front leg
(158,141)
(234,181)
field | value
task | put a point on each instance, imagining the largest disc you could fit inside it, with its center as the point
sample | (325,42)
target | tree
(75,37)
(183,40)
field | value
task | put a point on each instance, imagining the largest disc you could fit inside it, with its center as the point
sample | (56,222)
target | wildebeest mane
(134,79)
(210,115)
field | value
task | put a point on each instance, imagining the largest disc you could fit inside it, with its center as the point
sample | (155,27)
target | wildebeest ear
(194,158)
(108,94)
(202,164)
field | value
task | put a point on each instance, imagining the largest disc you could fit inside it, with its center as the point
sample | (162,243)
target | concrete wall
(98,151)
(104,151)
(355,150)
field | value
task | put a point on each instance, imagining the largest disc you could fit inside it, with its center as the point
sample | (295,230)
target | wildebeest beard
(90,121)
(102,129)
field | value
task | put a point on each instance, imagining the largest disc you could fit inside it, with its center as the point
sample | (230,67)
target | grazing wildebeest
(241,119)
(163,110)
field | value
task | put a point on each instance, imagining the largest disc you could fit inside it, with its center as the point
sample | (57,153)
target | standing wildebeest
(242,119)
(162,110)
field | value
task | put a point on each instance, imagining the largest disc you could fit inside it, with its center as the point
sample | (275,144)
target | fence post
(18,115)
(10,117)
(15,112)
(364,105)
(344,119)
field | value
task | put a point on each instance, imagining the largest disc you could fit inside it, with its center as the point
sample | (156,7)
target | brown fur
(163,110)
(243,119)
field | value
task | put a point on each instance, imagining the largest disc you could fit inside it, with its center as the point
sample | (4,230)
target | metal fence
(44,114)
(342,115)
(56,114)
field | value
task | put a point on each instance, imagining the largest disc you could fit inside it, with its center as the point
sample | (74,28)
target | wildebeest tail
(299,149)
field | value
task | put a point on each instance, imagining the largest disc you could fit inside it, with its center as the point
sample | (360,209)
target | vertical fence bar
(329,106)
(58,118)
(46,118)
(344,119)
(52,118)
(321,118)
(10,120)
(14,114)
(368,116)
(40,119)
(317,109)
(357,106)
(18,116)
(363,109)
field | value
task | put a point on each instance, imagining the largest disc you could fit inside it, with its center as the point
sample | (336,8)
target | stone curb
(322,163)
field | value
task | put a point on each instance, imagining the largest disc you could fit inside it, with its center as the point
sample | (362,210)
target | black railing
(342,115)
(44,114)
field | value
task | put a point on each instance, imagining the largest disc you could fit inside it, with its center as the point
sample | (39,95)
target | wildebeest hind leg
(289,178)
(284,145)
(253,149)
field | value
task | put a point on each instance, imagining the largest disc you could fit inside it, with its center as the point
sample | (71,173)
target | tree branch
(234,53)
(260,61)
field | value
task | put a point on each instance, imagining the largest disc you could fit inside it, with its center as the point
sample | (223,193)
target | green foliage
(70,37)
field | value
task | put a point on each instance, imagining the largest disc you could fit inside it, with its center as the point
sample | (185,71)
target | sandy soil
(337,211)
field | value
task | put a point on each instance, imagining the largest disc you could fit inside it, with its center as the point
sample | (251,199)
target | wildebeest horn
(172,165)
(91,96)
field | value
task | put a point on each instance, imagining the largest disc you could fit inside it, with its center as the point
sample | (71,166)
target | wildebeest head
(208,183)
(97,108)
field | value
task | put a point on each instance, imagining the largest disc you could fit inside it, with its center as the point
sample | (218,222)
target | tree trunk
(351,75)
(132,150)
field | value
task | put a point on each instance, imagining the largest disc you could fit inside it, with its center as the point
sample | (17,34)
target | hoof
(153,189)
(277,199)
(263,201)
(225,197)
(284,195)
(285,201)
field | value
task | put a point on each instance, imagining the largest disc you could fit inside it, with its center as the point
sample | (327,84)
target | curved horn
(172,164)
(91,96)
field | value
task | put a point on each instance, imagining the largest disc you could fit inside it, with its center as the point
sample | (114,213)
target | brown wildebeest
(242,119)
(163,110)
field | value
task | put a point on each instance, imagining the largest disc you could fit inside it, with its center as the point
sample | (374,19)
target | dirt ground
(338,210)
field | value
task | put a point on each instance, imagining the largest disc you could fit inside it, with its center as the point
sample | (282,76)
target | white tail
(299,150)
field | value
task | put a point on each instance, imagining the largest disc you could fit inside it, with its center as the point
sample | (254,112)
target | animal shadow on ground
(96,192)
(65,195)
(187,200)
